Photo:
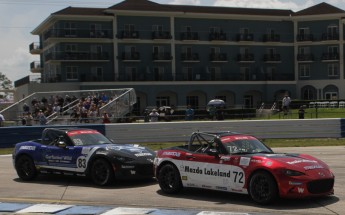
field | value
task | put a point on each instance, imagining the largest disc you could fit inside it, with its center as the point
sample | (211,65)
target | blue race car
(82,152)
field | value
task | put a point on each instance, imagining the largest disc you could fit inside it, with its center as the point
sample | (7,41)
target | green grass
(310,113)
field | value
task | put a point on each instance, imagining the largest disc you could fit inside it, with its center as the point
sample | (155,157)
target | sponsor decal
(313,167)
(206,186)
(295,183)
(225,158)
(58,159)
(300,190)
(256,161)
(206,171)
(175,154)
(191,185)
(143,154)
(185,178)
(127,167)
(31,148)
(72,133)
(244,161)
(133,172)
(221,188)
(321,174)
(301,161)
(237,137)
(268,163)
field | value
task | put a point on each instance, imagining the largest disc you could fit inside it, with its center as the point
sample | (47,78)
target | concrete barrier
(180,131)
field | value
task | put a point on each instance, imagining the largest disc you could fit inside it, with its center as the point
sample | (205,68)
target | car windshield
(86,138)
(241,144)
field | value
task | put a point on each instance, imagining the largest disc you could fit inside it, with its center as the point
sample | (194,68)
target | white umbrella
(216,103)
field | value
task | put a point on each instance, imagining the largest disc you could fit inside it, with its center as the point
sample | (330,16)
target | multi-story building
(180,55)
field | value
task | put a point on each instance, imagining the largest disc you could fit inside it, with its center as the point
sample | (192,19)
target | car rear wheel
(25,168)
(263,188)
(169,179)
(102,172)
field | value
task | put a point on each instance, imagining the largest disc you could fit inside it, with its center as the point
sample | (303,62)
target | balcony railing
(271,38)
(161,35)
(244,37)
(130,56)
(128,35)
(217,36)
(305,57)
(35,67)
(245,57)
(166,56)
(218,57)
(326,36)
(77,56)
(272,58)
(330,56)
(35,48)
(304,37)
(76,33)
(189,36)
(194,57)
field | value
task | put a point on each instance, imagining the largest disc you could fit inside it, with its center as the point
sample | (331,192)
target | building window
(193,101)
(215,73)
(72,73)
(244,73)
(70,29)
(248,101)
(71,48)
(215,50)
(131,74)
(332,31)
(214,29)
(158,73)
(97,73)
(333,49)
(308,94)
(333,70)
(158,49)
(188,74)
(129,27)
(304,71)
(162,101)
(157,28)
(331,95)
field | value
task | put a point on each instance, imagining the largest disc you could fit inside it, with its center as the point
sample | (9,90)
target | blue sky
(19,17)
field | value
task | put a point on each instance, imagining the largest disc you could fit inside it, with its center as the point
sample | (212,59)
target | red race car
(239,163)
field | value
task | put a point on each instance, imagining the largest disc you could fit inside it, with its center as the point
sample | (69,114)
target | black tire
(169,179)
(25,167)
(263,188)
(101,172)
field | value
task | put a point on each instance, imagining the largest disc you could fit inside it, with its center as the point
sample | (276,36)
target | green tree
(5,84)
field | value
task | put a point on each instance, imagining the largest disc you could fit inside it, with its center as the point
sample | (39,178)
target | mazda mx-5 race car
(239,163)
(83,152)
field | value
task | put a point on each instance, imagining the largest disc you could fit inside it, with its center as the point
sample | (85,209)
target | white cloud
(185,2)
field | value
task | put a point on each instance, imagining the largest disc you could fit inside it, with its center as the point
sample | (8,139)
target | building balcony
(305,57)
(330,56)
(217,36)
(326,37)
(304,37)
(271,38)
(190,57)
(166,56)
(189,36)
(272,58)
(218,57)
(35,48)
(74,33)
(128,35)
(35,67)
(130,56)
(161,35)
(77,56)
(245,58)
(244,37)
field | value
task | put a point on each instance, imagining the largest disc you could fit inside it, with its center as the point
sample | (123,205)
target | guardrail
(180,131)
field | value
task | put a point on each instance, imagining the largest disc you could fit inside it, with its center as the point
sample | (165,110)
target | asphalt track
(145,197)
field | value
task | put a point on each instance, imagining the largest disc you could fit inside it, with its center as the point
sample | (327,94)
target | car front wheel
(169,179)
(263,188)
(102,172)
(25,168)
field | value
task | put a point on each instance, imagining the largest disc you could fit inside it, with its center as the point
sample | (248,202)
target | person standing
(286,104)
(189,113)
(29,119)
(154,115)
(42,118)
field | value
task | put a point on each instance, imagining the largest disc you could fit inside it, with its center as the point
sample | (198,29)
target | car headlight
(289,172)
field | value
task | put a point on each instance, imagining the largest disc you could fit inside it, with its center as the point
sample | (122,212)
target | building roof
(81,11)
(322,8)
(145,5)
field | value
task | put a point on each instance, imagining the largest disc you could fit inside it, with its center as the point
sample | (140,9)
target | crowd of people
(85,109)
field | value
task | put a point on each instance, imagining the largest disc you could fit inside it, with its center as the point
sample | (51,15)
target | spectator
(42,118)
(146,115)
(189,113)
(301,112)
(2,119)
(26,108)
(29,119)
(105,117)
(212,112)
(286,104)
(154,115)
